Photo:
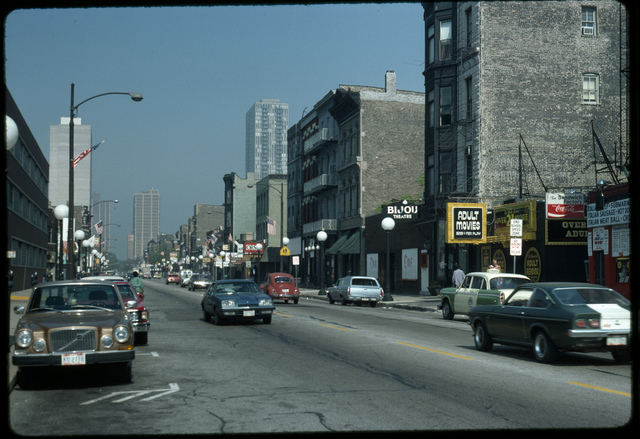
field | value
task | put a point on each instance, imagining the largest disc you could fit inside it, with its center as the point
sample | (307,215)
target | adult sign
(466,223)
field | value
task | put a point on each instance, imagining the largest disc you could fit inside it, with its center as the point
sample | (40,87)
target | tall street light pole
(137,97)
(388,224)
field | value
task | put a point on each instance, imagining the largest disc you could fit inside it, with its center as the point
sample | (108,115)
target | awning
(335,248)
(352,245)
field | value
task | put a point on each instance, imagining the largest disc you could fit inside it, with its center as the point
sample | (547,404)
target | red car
(173,278)
(281,286)
(139,314)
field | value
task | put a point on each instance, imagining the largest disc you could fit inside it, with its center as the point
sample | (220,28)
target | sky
(199,69)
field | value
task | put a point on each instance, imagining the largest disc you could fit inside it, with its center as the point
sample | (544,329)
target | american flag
(98,227)
(271,226)
(83,154)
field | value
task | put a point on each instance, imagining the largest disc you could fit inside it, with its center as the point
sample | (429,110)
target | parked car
(555,317)
(184,279)
(139,313)
(199,282)
(281,286)
(173,278)
(73,323)
(237,299)
(357,290)
(479,288)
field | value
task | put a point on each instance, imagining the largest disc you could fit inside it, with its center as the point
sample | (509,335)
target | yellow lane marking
(436,351)
(336,327)
(283,315)
(604,389)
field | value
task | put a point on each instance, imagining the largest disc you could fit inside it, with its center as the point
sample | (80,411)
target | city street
(322,368)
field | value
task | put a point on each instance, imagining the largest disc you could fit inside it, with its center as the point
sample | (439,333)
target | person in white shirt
(458,277)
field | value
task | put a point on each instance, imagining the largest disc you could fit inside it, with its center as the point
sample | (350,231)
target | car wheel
(344,301)
(217,320)
(141,338)
(622,356)
(481,338)
(447,312)
(206,315)
(331,301)
(543,348)
(295,301)
(373,304)
(267,319)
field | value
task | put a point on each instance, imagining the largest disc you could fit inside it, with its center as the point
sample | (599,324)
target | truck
(145,272)
(479,288)
(356,290)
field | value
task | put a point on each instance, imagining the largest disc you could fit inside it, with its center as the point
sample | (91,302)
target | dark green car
(556,317)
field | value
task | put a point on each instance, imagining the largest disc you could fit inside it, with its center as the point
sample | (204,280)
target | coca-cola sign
(561,205)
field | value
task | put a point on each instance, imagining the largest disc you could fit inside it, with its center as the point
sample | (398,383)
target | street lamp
(61,212)
(388,224)
(321,237)
(137,97)
(79,235)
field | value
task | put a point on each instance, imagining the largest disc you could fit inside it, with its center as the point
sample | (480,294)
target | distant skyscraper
(59,163)
(266,149)
(146,220)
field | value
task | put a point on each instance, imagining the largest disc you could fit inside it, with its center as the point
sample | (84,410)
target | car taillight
(381,292)
(590,323)
(501,297)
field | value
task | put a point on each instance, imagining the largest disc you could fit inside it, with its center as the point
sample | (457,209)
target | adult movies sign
(466,223)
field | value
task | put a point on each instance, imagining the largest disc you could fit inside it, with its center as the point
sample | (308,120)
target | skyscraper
(266,143)
(59,163)
(146,220)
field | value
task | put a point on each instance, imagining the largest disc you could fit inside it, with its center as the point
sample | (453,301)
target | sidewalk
(414,302)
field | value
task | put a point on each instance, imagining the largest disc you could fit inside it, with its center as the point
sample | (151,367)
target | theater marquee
(466,223)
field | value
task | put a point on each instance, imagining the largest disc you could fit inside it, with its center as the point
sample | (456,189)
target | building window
(431,109)
(445,106)
(590,89)
(431,48)
(469,89)
(467,14)
(445,39)
(588,20)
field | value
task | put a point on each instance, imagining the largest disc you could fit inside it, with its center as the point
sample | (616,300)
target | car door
(467,294)
(508,322)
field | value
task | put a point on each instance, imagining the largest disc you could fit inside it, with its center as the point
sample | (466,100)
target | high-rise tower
(266,144)
(146,220)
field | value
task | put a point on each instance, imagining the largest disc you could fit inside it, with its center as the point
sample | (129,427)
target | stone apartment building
(357,148)
(523,98)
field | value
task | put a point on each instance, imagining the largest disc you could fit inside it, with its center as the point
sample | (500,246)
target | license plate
(285,290)
(250,313)
(74,359)
(616,340)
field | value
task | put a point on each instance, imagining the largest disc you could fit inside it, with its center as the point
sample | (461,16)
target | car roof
(554,285)
(106,277)
(492,275)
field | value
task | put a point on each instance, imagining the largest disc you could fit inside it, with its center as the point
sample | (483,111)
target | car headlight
(24,338)
(143,315)
(107,342)
(39,345)
(134,316)
(228,303)
(266,302)
(121,334)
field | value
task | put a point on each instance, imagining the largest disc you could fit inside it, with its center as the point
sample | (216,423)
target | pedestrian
(458,276)
(494,268)
(136,282)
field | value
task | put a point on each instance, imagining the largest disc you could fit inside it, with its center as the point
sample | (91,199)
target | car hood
(245,299)
(53,320)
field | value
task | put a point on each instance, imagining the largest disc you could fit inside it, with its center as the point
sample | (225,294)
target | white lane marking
(173,387)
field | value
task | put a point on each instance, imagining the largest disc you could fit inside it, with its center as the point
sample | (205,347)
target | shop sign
(566,232)
(402,210)
(525,210)
(466,223)
(614,212)
(251,248)
(532,265)
(561,205)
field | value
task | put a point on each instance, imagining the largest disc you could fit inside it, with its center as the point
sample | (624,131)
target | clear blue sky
(200,69)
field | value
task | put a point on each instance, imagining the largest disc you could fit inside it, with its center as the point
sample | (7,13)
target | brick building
(359,147)
(523,99)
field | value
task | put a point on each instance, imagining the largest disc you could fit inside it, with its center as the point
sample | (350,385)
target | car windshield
(283,280)
(507,283)
(364,281)
(127,292)
(236,287)
(74,297)
(581,296)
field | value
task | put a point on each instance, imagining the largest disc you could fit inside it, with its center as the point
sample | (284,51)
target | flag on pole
(83,154)
(98,227)
(271,226)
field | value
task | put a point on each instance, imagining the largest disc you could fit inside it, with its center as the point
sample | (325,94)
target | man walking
(458,277)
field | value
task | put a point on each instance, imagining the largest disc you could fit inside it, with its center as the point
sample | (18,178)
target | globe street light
(61,212)
(388,224)
(137,97)
(321,237)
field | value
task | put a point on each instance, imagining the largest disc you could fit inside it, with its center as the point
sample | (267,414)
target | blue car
(236,300)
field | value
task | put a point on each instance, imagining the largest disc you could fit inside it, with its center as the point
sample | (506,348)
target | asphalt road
(322,368)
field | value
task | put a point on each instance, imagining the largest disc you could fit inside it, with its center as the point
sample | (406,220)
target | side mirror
(131,304)
(18,310)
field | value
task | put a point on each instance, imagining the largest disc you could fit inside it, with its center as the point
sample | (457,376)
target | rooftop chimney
(390,81)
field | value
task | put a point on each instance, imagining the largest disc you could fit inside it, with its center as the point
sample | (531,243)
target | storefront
(609,237)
